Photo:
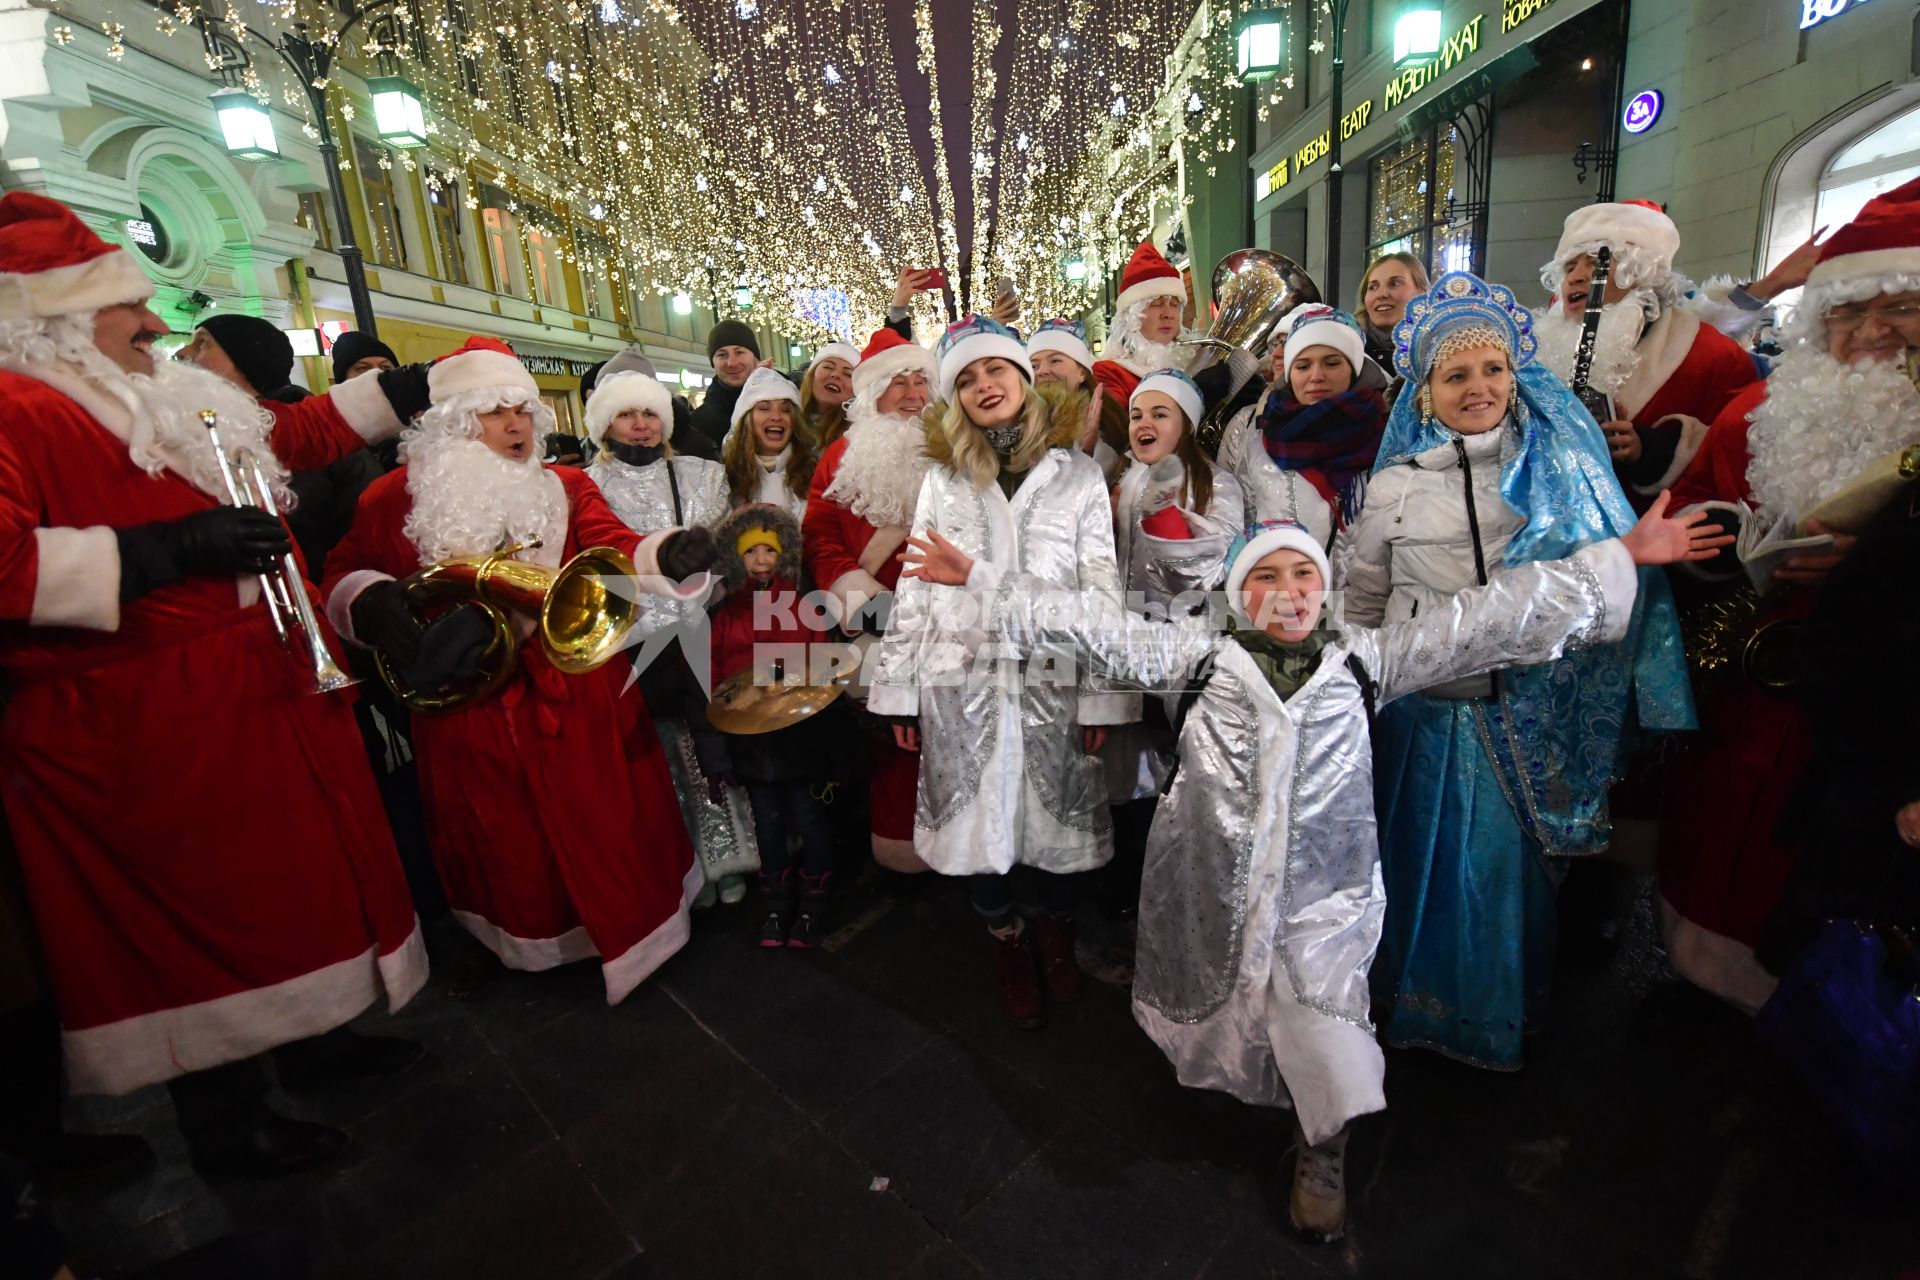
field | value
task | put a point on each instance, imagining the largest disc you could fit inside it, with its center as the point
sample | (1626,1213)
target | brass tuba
(1256,289)
(582,621)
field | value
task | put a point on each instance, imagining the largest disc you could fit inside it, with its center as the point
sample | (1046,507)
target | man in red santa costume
(201,839)
(1142,337)
(858,511)
(1839,399)
(1668,373)
(539,879)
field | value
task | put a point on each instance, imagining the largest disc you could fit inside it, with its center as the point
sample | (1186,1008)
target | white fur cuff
(340,603)
(366,408)
(77,579)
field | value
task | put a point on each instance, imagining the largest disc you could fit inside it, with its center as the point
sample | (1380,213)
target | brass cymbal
(741,706)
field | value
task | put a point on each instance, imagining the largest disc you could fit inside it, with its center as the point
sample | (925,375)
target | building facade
(100,108)
(1753,122)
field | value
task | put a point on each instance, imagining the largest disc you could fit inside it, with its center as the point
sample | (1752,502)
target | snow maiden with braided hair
(1486,785)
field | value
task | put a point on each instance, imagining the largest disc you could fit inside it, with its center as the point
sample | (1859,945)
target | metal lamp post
(311,61)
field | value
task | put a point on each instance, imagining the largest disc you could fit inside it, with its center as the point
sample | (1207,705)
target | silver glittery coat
(644,499)
(1003,777)
(1262,901)
(1158,571)
(1271,493)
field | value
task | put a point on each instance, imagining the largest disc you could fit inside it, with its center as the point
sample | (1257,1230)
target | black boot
(231,1132)
(809,925)
(341,1055)
(777,892)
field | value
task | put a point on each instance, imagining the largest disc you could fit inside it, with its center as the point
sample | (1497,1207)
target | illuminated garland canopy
(758,156)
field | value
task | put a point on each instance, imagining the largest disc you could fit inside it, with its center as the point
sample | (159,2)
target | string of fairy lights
(756,156)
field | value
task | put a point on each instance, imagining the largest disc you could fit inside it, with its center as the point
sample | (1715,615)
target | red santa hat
(483,364)
(1642,237)
(628,389)
(887,355)
(52,264)
(1882,240)
(1148,275)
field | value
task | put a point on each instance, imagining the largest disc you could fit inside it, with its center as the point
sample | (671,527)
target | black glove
(216,543)
(688,552)
(405,387)
(451,649)
(382,620)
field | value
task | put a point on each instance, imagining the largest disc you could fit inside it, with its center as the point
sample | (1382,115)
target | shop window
(314,217)
(596,264)
(383,211)
(1877,162)
(562,405)
(443,206)
(1411,204)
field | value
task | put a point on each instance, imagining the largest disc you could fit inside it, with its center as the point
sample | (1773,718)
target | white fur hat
(611,396)
(835,351)
(762,384)
(1260,541)
(482,364)
(1068,337)
(1643,239)
(1179,388)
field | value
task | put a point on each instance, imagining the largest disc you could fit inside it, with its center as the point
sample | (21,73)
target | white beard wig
(1616,348)
(879,474)
(1820,426)
(469,500)
(1126,344)
(166,432)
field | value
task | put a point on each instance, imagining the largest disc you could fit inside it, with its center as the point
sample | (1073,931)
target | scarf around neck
(1339,437)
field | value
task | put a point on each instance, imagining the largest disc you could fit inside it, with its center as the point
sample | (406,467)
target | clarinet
(1598,403)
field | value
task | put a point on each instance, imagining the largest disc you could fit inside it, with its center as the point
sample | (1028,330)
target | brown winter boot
(1057,962)
(1018,980)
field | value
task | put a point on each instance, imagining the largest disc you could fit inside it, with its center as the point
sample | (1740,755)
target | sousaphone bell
(1255,290)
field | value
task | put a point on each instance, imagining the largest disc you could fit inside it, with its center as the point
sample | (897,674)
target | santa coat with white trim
(1688,372)
(540,879)
(1723,866)
(203,843)
(853,560)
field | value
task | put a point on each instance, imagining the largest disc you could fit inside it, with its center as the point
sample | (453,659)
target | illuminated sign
(1464,42)
(140,231)
(1815,12)
(1643,111)
(1515,12)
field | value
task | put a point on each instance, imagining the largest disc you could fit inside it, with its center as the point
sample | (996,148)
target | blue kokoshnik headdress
(1561,727)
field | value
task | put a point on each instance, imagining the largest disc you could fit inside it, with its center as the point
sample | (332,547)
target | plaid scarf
(1332,443)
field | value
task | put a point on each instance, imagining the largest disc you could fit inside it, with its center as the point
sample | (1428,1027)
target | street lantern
(743,297)
(398,114)
(793,350)
(682,304)
(245,125)
(1076,269)
(1260,36)
(1416,37)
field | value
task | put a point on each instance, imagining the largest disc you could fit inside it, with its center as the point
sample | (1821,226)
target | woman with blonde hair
(767,457)
(1007,776)
(1392,281)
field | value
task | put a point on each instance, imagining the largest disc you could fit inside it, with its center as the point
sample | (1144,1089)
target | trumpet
(283,588)
(582,622)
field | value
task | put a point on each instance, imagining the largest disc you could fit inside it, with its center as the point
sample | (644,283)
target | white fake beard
(1616,348)
(1822,424)
(1132,348)
(167,432)
(880,473)
(470,501)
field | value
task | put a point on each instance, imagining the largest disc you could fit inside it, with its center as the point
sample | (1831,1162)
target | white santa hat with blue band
(1179,388)
(1260,541)
(1068,337)
(978,338)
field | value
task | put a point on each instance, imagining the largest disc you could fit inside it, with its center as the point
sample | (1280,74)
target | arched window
(1875,162)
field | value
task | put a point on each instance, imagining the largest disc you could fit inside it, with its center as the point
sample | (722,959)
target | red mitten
(1167,523)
